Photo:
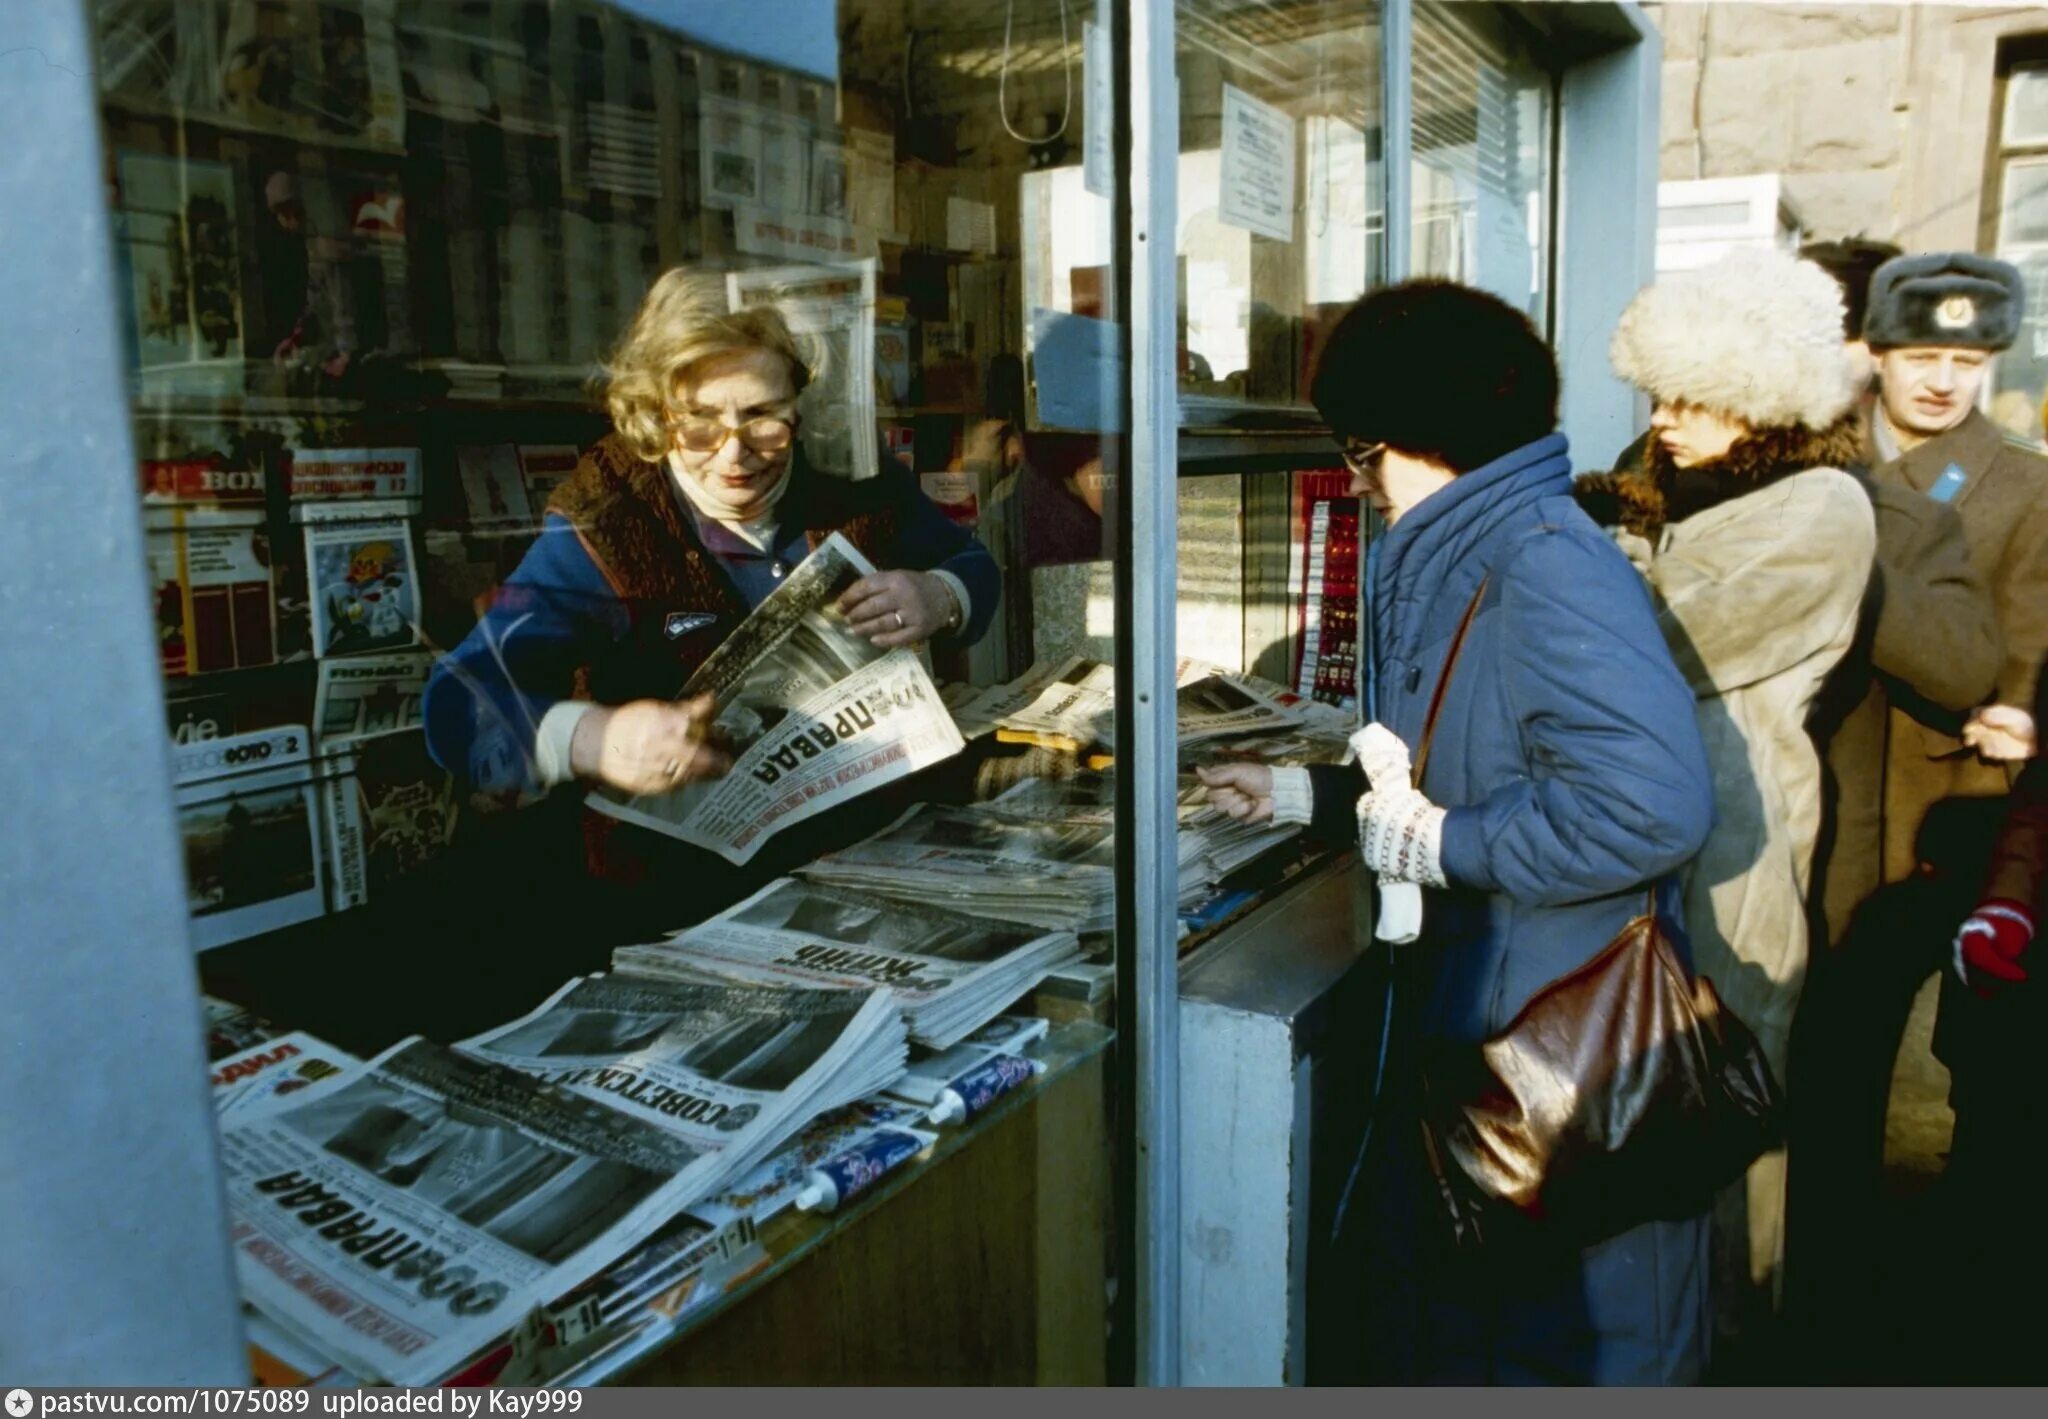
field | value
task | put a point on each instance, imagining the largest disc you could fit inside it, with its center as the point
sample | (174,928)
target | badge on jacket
(681,623)
(1948,484)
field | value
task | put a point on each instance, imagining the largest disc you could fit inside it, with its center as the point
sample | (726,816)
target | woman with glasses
(1565,783)
(672,528)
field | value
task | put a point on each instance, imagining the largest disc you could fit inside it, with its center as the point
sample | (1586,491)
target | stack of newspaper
(1212,845)
(983,862)
(1073,705)
(407,1218)
(952,972)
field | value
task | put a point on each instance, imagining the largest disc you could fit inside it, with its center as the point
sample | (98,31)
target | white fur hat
(1758,335)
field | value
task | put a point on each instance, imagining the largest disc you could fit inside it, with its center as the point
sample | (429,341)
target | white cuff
(1400,916)
(1293,797)
(551,741)
(959,590)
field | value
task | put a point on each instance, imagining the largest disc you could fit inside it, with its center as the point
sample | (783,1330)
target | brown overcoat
(2003,505)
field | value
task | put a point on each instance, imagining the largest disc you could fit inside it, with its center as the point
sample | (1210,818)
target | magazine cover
(178,218)
(494,486)
(318,473)
(363,698)
(250,819)
(210,577)
(364,593)
(405,804)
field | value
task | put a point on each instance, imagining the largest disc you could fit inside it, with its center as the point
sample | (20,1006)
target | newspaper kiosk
(1064,268)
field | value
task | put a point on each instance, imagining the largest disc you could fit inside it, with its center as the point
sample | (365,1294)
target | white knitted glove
(1401,834)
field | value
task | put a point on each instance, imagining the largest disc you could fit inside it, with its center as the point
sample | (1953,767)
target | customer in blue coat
(671,529)
(1566,781)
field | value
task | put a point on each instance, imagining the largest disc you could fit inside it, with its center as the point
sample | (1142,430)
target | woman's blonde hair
(683,320)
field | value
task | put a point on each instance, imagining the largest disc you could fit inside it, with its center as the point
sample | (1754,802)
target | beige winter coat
(1759,598)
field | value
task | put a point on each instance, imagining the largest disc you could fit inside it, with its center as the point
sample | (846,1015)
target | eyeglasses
(1362,458)
(765,435)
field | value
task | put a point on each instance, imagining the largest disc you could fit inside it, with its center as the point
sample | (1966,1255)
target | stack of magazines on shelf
(401,1217)
(952,971)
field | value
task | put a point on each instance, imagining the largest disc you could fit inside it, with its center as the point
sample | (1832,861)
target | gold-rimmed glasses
(769,434)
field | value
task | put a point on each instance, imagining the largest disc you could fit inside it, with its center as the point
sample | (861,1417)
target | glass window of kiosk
(631,496)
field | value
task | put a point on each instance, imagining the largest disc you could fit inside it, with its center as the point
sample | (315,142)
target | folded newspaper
(1211,843)
(814,714)
(952,972)
(1059,875)
(1072,705)
(406,1220)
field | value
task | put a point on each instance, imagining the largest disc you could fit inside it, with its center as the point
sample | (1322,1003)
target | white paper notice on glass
(1258,166)
(970,226)
(1098,111)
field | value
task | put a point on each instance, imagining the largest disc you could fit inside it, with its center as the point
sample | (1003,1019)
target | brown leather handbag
(1623,1091)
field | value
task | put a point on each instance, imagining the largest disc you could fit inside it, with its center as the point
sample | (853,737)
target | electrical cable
(1066,77)
(1367,561)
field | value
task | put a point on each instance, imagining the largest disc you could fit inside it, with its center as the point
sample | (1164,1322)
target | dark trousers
(1845,1043)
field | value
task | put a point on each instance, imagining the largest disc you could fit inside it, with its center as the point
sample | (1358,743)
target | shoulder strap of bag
(1443,682)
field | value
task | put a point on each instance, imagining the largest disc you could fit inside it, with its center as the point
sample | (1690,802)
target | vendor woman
(672,528)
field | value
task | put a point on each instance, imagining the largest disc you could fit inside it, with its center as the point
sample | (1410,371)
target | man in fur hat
(1934,323)
(1929,650)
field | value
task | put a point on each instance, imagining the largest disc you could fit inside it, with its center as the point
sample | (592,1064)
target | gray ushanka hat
(1955,298)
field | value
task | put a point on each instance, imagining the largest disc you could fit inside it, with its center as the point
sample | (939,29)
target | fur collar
(1644,498)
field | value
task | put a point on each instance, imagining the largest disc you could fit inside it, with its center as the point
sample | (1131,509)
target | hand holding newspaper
(813,714)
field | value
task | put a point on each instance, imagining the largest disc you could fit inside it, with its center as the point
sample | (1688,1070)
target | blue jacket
(1570,762)
(562,623)
(1567,754)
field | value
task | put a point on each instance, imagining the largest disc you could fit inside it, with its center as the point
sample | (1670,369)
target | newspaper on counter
(814,714)
(731,1069)
(406,1220)
(1211,844)
(411,1217)
(294,1067)
(952,971)
(1076,706)
(1058,875)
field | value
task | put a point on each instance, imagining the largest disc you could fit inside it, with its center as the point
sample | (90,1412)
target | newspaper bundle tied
(815,716)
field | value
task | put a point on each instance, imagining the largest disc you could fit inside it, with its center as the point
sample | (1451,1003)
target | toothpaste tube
(981,1086)
(859,1168)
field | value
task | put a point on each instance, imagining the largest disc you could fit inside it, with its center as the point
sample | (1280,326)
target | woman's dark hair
(1440,371)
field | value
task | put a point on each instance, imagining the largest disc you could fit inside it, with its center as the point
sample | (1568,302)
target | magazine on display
(364,697)
(831,309)
(813,714)
(494,485)
(327,474)
(210,574)
(409,1218)
(249,814)
(294,1067)
(730,1071)
(363,589)
(546,466)
(952,972)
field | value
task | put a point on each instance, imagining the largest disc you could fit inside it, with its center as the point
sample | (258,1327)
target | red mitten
(1989,947)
